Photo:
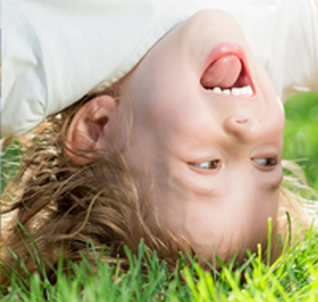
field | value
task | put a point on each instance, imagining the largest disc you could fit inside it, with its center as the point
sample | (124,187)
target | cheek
(276,117)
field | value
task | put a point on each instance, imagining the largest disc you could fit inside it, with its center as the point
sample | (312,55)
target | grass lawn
(293,277)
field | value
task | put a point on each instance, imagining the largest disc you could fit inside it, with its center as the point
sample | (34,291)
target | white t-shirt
(56,51)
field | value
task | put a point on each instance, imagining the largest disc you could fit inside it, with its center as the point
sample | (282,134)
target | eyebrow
(273,186)
(196,189)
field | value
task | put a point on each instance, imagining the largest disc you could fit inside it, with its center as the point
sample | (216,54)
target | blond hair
(64,206)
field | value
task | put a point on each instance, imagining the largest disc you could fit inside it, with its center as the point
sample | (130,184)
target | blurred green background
(301,133)
(301,138)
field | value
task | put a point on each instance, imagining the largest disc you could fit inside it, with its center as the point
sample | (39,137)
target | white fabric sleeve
(56,51)
(23,58)
(283,34)
(301,49)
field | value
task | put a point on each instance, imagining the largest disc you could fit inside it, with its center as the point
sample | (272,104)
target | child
(178,137)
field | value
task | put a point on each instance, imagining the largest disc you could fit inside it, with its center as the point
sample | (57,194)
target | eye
(209,165)
(266,162)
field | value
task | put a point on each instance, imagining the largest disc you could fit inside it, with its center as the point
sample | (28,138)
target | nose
(245,129)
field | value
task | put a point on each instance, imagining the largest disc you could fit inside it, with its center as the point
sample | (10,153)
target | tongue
(222,73)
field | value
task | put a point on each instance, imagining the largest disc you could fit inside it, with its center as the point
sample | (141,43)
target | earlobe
(87,129)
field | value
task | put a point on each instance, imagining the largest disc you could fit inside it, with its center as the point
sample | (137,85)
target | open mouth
(227,72)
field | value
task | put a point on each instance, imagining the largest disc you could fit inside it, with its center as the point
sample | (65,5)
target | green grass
(293,277)
(9,163)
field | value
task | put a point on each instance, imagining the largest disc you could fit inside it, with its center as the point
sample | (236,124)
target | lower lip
(223,49)
(229,48)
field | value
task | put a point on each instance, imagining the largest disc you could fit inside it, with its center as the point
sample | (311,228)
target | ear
(87,130)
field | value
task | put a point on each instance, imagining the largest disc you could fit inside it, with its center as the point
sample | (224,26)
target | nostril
(241,121)
(245,129)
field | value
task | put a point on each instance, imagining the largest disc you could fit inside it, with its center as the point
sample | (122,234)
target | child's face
(215,158)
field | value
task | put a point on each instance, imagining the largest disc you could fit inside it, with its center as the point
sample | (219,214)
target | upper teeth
(247,90)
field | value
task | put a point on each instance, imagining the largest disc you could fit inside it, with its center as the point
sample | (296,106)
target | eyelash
(209,165)
(267,162)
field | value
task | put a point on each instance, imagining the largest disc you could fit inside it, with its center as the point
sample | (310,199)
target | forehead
(233,214)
